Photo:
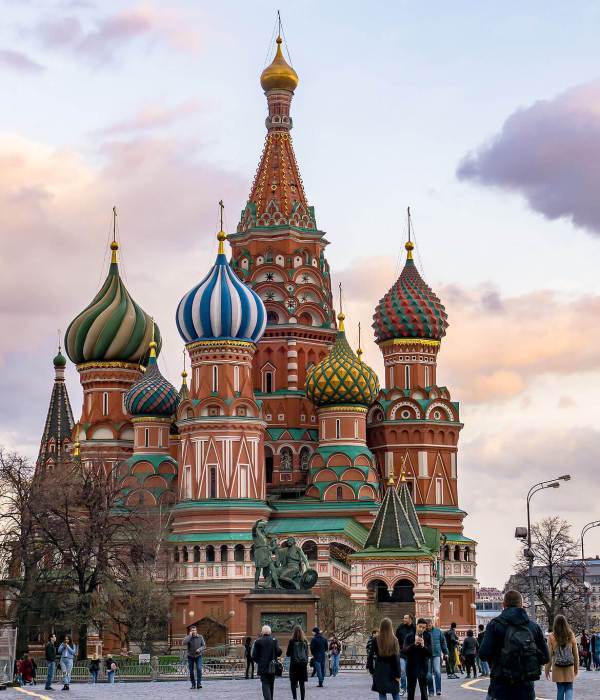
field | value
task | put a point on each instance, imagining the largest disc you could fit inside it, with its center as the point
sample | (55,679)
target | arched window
(427,376)
(407,376)
(236,378)
(238,552)
(224,552)
(210,553)
(286,459)
(212,484)
(272,318)
(105,403)
(310,549)
(196,554)
(215,378)
(338,427)
(146,437)
(304,459)
(268,382)
(269,465)
(447,552)
(176,555)
(186,556)
(189,413)
(339,493)
(457,553)
(467,554)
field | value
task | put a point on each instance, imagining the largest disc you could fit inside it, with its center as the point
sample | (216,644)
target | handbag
(275,666)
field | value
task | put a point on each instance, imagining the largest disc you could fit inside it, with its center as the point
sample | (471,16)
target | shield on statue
(309,578)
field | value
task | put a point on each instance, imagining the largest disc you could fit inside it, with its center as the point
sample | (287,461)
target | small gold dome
(279,75)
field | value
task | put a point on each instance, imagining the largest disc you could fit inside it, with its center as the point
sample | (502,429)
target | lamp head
(565,477)
(554,485)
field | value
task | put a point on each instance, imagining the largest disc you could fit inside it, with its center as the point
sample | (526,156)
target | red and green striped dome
(411,309)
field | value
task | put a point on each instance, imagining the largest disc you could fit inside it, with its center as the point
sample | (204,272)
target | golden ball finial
(221,236)
(184,375)
(279,75)
(114,246)
(409,245)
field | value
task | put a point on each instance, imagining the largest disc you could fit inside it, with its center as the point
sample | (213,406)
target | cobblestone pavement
(346,686)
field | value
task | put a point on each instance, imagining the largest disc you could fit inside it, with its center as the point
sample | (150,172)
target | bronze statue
(283,568)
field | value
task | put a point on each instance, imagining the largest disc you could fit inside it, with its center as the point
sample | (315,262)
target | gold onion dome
(112,328)
(341,378)
(279,75)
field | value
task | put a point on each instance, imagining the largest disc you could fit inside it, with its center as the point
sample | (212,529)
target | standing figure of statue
(263,556)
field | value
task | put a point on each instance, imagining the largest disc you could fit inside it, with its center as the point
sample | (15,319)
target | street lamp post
(586,593)
(550,484)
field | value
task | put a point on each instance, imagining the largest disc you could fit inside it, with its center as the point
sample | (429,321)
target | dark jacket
(452,640)
(318,647)
(470,646)
(50,652)
(402,631)
(94,666)
(195,645)
(298,670)
(265,649)
(417,656)
(502,688)
(480,637)
(384,669)
(248,650)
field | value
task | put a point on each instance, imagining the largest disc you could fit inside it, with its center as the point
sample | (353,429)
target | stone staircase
(395,611)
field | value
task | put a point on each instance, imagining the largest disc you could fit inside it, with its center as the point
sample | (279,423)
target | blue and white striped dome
(221,306)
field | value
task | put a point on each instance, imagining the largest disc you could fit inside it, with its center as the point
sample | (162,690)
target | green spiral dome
(113,328)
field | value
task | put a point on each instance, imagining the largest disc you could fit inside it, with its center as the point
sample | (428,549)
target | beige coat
(562,674)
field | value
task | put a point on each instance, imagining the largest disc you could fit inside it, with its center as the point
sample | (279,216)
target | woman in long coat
(297,650)
(383,662)
(564,658)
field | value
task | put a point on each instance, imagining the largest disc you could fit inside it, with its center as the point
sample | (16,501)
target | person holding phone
(417,653)
(67,652)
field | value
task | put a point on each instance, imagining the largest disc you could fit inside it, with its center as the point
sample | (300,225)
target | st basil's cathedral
(279,418)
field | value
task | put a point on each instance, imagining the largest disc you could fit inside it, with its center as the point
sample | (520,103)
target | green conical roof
(396,525)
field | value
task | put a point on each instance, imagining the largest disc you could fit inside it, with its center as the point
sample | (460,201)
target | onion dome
(59,360)
(411,309)
(113,328)
(341,378)
(152,394)
(279,75)
(221,306)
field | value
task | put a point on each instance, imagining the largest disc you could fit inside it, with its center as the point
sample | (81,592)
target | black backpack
(519,658)
(300,653)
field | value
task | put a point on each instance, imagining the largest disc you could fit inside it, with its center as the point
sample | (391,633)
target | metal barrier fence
(224,667)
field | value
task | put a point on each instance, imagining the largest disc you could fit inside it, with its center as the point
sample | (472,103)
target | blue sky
(157,108)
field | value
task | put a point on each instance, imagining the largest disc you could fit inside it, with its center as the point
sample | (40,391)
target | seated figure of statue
(294,564)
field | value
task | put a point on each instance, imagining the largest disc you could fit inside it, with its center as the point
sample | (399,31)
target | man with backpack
(516,649)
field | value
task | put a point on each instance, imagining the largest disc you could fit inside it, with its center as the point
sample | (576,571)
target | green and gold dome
(341,378)
(113,327)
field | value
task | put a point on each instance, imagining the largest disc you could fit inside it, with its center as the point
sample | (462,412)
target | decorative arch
(442,408)
(395,412)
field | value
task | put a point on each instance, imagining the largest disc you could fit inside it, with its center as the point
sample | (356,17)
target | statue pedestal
(281,610)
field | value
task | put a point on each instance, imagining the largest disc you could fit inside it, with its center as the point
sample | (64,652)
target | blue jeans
(111,676)
(320,669)
(395,696)
(485,667)
(195,664)
(67,667)
(335,664)
(435,672)
(564,691)
(94,676)
(402,673)
(50,676)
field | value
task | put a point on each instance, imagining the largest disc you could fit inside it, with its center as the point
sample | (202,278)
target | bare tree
(557,571)
(342,617)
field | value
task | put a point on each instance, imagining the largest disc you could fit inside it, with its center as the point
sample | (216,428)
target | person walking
(418,653)
(596,650)
(195,645)
(248,657)
(406,627)
(111,670)
(318,649)
(515,648)
(383,661)
(586,648)
(50,656)
(470,647)
(265,652)
(27,670)
(335,651)
(94,669)
(67,652)
(439,649)
(452,643)
(484,667)
(297,652)
(564,658)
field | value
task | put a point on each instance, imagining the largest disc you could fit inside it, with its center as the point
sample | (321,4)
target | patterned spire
(396,525)
(59,420)
(277,197)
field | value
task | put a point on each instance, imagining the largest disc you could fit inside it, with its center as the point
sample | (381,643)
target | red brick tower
(279,252)
(413,427)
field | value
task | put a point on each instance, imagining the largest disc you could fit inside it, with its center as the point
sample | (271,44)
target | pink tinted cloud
(152,117)
(19,62)
(550,154)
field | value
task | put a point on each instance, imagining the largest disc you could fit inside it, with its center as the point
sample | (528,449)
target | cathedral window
(224,552)
(304,459)
(338,427)
(236,378)
(210,554)
(426,376)
(268,382)
(269,465)
(467,554)
(146,437)
(215,378)
(457,553)
(423,472)
(176,555)
(160,437)
(285,459)
(339,493)
(187,482)
(356,429)
(238,552)
(212,482)
(391,376)
(241,411)
(439,492)
(185,554)
(407,376)
(105,403)
(196,554)
(243,481)
(322,430)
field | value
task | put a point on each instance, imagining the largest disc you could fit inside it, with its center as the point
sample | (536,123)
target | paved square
(346,686)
